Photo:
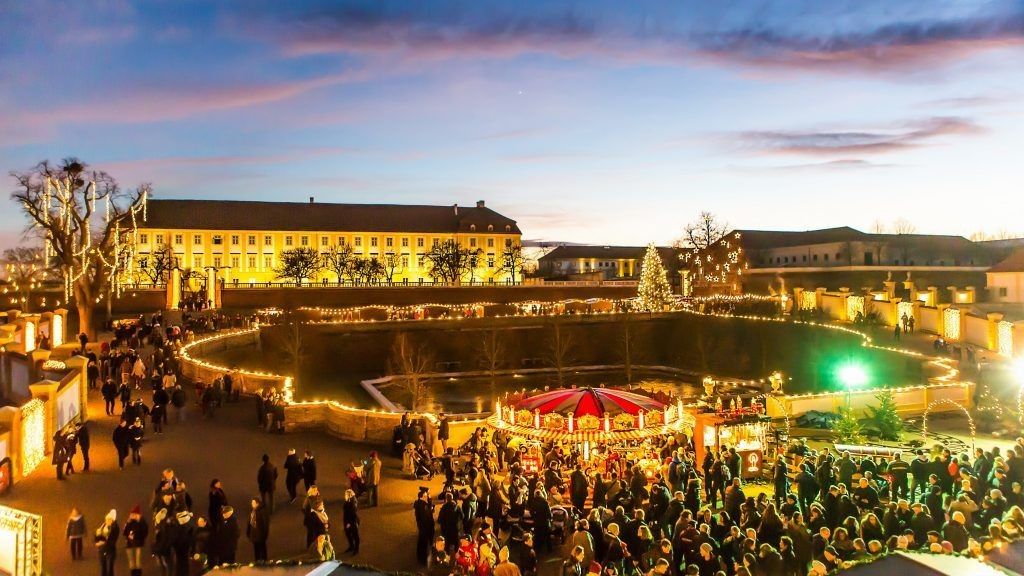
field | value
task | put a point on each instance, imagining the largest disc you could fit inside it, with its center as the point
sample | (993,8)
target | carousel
(595,421)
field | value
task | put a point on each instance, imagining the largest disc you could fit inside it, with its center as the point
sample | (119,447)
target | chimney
(311,199)
(455,207)
(480,204)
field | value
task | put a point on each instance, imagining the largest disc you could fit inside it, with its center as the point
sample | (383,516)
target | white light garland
(1005,338)
(951,324)
(33,435)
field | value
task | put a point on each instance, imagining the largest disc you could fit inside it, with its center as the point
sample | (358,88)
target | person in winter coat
(135,532)
(226,536)
(217,501)
(82,431)
(136,432)
(956,532)
(106,543)
(308,469)
(292,474)
(350,520)
(266,479)
(372,471)
(258,530)
(122,442)
(109,393)
(75,533)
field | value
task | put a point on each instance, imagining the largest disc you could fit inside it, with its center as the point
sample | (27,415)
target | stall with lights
(747,429)
(596,422)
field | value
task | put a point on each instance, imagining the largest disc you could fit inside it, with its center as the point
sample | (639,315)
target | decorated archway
(941,401)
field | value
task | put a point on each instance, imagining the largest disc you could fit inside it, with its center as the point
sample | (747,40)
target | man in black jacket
(292,473)
(83,442)
(258,530)
(424,511)
(308,470)
(122,441)
(227,535)
(266,479)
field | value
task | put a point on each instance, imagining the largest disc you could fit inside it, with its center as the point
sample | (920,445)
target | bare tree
(560,348)
(367,270)
(512,261)
(492,353)
(448,261)
(293,348)
(338,259)
(86,220)
(390,264)
(299,264)
(26,269)
(411,362)
(903,226)
(157,265)
(628,339)
(703,232)
(880,242)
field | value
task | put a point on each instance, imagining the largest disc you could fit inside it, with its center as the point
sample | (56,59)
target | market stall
(598,421)
(745,429)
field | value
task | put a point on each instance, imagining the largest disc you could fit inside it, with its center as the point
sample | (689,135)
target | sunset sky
(606,122)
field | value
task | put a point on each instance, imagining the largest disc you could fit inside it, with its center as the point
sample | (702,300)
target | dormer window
(508,228)
(490,227)
(472,227)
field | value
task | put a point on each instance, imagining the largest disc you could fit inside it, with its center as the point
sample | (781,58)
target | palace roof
(324,217)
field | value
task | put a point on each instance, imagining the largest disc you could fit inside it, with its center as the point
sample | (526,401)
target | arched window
(490,227)
(472,227)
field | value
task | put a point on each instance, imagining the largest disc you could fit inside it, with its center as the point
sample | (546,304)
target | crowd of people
(821,510)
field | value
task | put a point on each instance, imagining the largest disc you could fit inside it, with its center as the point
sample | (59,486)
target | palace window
(323,240)
(216,261)
(373,241)
(508,242)
(143,238)
(359,240)
(197,261)
(490,242)
(490,227)
(419,242)
(389,242)
(304,240)
(341,240)
(437,241)
(268,240)
(251,240)
(234,239)
(405,261)
(234,262)
(405,242)
(268,262)
(197,238)
(217,240)
(508,228)
(251,262)
(159,239)
(490,260)
(472,227)
(179,239)
(472,242)
(287,240)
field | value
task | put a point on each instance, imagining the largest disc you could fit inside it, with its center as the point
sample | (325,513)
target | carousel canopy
(590,402)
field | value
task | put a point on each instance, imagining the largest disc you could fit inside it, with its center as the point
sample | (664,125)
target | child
(75,532)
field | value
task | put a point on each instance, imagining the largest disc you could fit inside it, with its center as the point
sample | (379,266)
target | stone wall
(252,298)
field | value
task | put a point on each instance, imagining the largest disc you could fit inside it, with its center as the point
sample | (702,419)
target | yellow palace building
(244,240)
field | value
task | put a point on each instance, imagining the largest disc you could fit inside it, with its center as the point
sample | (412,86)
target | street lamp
(852,375)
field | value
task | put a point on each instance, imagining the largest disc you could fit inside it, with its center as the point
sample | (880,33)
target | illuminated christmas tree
(653,292)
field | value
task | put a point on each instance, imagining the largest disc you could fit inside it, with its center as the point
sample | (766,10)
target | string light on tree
(653,291)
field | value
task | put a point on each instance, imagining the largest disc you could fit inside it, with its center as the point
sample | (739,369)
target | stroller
(563,520)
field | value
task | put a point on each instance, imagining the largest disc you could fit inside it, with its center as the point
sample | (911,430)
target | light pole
(852,375)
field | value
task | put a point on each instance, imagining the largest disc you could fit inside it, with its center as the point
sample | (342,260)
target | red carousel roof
(592,401)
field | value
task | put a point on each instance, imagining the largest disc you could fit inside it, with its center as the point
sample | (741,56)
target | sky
(604,122)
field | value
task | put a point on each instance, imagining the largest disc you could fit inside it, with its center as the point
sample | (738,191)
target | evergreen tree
(847,429)
(654,291)
(885,417)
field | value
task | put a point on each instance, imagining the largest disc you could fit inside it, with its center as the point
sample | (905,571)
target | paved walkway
(229,448)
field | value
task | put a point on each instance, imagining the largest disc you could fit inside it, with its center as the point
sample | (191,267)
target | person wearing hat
(135,532)
(226,536)
(106,543)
